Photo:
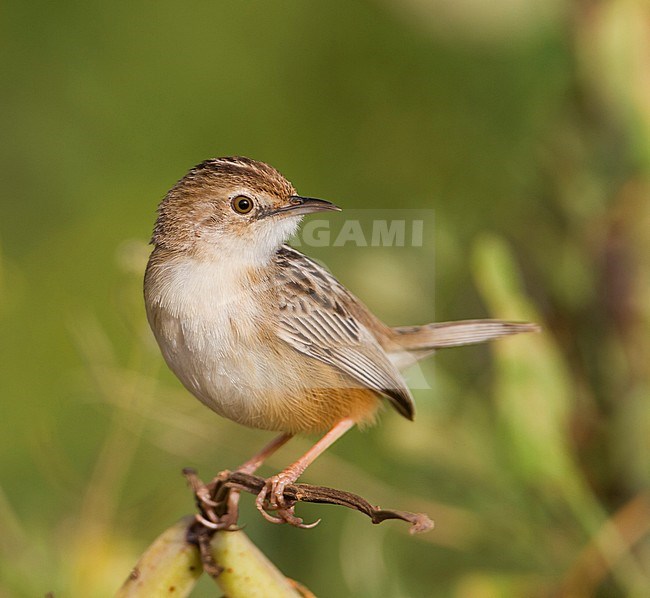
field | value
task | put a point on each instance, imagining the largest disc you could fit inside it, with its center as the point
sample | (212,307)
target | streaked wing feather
(315,319)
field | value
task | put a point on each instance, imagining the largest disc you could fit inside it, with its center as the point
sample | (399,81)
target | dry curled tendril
(217,511)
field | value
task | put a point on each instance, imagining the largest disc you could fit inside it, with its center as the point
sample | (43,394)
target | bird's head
(232,204)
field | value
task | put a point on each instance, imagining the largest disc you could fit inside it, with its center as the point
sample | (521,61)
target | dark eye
(242,204)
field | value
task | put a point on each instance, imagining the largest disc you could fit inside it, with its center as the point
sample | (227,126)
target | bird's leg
(272,495)
(256,460)
(231,512)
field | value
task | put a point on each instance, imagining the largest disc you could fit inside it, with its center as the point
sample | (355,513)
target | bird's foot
(271,498)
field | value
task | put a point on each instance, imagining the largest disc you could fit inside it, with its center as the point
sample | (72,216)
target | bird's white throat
(253,249)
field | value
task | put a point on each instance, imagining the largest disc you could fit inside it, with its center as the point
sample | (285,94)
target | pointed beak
(297,206)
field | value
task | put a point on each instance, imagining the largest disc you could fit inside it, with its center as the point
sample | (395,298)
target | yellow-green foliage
(523,128)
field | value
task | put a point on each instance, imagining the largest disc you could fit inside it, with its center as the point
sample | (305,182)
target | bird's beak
(304,205)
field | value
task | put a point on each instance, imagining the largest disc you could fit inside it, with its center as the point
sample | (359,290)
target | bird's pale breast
(216,333)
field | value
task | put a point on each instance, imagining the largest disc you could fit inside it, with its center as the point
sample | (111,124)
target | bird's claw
(271,497)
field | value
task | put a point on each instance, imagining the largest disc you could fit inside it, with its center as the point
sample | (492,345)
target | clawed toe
(271,497)
(287,515)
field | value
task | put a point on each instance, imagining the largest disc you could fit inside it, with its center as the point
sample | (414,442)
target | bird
(267,337)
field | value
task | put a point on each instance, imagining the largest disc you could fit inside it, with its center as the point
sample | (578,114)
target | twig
(217,493)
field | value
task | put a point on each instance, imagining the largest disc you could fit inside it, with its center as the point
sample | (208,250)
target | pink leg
(274,487)
(252,465)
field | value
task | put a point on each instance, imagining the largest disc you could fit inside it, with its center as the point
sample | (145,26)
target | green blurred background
(524,125)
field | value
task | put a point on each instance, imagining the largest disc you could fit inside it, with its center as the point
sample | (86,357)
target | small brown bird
(262,334)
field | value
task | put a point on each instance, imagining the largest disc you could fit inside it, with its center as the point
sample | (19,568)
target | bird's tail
(454,334)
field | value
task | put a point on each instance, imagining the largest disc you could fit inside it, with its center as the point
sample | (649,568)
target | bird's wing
(316,317)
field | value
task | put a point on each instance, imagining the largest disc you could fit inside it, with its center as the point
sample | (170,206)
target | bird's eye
(242,204)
